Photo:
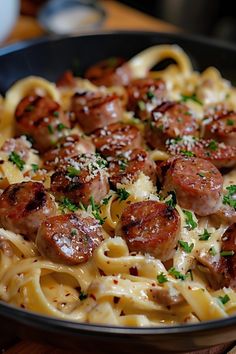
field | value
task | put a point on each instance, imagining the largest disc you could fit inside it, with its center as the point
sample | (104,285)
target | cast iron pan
(49,58)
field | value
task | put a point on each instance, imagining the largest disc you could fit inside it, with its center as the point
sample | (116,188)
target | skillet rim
(55,324)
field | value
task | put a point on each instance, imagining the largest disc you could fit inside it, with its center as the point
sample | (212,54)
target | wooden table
(119,17)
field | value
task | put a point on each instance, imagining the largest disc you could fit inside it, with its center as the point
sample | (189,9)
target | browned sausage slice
(69,146)
(198,184)
(42,119)
(221,125)
(219,154)
(228,246)
(81,178)
(93,110)
(169,120)
(144,95)
(109,72)
(150,227)
(117,138)
(66,79)
(127,167)
(23,206)
(69,239)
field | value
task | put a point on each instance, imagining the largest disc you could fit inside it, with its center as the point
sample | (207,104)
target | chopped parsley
(200,174)
(230,122)
(82,296)
(96,211)
(213,145)
(16,160)
(186,246)
(56,114)
(190,223)
(72,171)
(192,97)
(73,232)
(224,299)
(187,153)
(161,278)
(171,201)
(35,167)
(205,235)
(60,127)
(29,108)
(227,253)
(230,197)
(106,200)
(150,95)
(81,206)
(212,251)
(66,203)
(122,164)
(122,194)
(50,129)
(175,273)
(102,163)
(141,105)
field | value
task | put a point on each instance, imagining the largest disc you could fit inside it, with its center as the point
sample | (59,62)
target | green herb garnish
(171,202)
(35,167)
(50,129)
(175,273)
(186,246)
(123,194)
(224,299)
(213,145)
(227,253)
(82,296)
(122,164)
(212,251)
(56,114)
(161,278)
(205,235)
(66,203)
(29,108)
(230,122)
(96,210)
(229,197)
(187,153)
(150,95)
(190,223)
(72,172)
(106,200)
(60,127)
(192,97)
(16,160)
(73,232)
(141,105)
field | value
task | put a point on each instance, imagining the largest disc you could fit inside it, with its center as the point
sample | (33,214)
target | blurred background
(23,19)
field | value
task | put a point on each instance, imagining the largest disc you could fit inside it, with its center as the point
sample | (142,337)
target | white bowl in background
(9,11)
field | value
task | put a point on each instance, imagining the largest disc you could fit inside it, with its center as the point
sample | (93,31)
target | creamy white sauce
(73,20)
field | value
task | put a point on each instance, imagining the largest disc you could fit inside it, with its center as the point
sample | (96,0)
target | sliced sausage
(117,138)
(69,239)
(127,167)
(150,227)
(66,79)
(68,146)
(109,72)
(170,120)
(93,110)
(229,244)
(21,146)
(144,95)
(81,178)
(221,125)
(198,184)
(219,154)
(24,206)
(42,119)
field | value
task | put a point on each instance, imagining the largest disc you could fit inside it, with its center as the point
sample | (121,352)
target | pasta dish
(118,193)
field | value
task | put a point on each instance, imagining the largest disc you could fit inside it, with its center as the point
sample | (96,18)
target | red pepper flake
(93,296)
(122,313)
(22,306)
(116,299)
(133,271)
(115,281)
(101,272)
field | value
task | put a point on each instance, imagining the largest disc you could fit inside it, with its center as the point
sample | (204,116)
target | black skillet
(49,58)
